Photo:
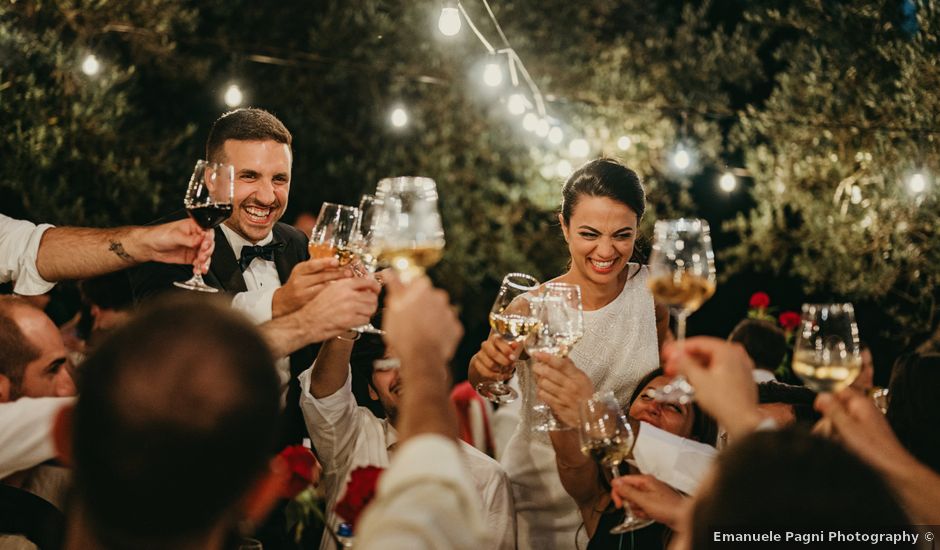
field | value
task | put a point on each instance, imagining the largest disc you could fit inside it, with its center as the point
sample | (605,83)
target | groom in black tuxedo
(261,262)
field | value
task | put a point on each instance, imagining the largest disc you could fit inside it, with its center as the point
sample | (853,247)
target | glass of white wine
(560,325)
(606,436)
(826,355)
(512,318)
(335,232)
(408,231)
(363,245)
(682,277)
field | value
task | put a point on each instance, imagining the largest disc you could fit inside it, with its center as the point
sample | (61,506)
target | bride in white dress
(602,203)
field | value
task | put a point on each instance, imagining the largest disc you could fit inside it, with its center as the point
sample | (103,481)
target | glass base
(368,329)
(497,392)
(677,391)
(631,524)
(195,284)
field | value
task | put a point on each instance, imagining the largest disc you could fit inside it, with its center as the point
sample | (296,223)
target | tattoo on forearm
(118,250)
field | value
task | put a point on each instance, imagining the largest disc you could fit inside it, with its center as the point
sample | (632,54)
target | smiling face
(601,234)
(262,185)
(672,417)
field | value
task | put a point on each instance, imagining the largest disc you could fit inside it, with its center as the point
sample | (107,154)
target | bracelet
(356,336)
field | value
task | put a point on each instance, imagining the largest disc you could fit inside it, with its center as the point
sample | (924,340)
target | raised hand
(649,498)
(306,281)
(179,242)
(562,386)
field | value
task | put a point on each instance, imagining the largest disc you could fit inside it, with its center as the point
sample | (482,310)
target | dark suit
(151,279)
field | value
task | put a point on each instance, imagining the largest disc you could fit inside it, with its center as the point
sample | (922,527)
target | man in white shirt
(262,263)
(347,436)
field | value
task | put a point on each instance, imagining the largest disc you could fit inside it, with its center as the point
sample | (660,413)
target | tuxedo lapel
(224,266)
(287,257)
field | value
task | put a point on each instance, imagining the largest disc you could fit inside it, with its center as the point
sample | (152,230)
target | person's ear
(62,434)
(564,227)
(264,494)
(372,393)
(6,389)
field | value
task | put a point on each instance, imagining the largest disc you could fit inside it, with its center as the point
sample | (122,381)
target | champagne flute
(333,233)
(409,234)
(826,355)
(682,276)
(208,202)
(511,317)
(363,246)
(606,436)
(560,326)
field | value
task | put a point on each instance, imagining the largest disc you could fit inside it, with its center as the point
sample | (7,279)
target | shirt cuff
(255,303)
(30,282)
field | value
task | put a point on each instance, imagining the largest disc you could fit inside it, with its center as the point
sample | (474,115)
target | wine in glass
(511,317)
(409,234)
(363,245)
(334,233)
(208,202)
(682,276)
(826,355)
(606,436)
(560,325)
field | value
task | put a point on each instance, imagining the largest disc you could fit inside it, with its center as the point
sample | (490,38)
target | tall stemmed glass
(408,231)
(682,276)
(512,318)
(560,326)
(363,245)
(334,233)
(208,202)
(826,355)
(607,437)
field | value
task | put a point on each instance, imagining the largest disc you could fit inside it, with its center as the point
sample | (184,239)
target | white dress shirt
(19,247)
(26,432)
(347,436)
(262,280)
(425,501)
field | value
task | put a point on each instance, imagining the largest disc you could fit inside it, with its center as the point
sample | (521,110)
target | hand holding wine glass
(682,276)
(208,202)
(511,318)
(606,436)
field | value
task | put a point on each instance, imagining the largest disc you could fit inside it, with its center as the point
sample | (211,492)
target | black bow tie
(265,252)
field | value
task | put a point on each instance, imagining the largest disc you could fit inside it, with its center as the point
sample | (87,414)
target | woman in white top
(602,204)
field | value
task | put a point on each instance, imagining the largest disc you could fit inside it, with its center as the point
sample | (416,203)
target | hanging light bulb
(563,168)
(233,96)
(493,75)
(542,128)
(516,104)
(399,117)
(547,171)
(555,135)
(681,159)
(624,143)
(917,183)
(90,65)
(530,121)
(449,22)
(728,182)
(579,148)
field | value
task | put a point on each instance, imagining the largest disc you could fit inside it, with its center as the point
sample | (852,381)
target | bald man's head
(33,357)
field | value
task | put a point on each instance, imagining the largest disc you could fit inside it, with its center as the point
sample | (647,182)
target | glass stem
(680,326)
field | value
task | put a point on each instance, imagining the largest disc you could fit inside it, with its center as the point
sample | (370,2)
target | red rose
(359,493)
(760,300)
(303,466)
(789,320)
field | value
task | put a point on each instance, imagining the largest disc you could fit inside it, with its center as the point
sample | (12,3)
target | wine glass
(826,355)
(334,232)
(363,246)
(511,317)
(208,202)
(408,231)
(607,437)
(560,325)
(682,276)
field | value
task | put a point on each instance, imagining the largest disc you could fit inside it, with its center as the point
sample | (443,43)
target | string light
(449,22)
(399,117)
(681,159)
(516,104)
(556,135)
(579,148)
(728,182)
(530,121)
(233,96)
(493,74)
(917,183)
(91,65)
(542,128)
(624,143)
(563,168)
